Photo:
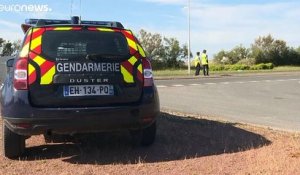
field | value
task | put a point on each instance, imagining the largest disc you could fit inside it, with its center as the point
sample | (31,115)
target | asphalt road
(271,100)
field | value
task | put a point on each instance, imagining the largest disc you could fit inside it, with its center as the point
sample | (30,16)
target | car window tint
(75,44)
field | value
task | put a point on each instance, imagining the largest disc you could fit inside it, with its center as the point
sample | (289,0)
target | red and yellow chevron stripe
(36,40)
(127,67)
(25,49)
(47,69)
(63,28)
(31,74)
(127,70)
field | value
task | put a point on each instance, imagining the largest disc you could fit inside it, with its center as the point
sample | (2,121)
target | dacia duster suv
(75,76)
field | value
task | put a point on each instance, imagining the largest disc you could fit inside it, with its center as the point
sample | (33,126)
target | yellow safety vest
(204,60)
(197,61)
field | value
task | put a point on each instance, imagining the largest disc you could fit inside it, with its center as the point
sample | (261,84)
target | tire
(148,135)
(144,137)
(13,144)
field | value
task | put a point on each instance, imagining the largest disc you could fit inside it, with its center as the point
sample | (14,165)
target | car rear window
(78,44)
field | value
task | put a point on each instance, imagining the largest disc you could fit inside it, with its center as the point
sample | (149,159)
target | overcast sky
(215,24)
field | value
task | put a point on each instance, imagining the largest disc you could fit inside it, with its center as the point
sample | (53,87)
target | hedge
(236,67)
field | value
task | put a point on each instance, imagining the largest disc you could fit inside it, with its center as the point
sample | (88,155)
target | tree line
(265,49)
(164,52)
(169,53)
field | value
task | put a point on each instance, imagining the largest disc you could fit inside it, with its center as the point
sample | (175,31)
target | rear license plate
(88,90)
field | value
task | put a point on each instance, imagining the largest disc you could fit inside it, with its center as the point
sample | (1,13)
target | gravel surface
(186,144)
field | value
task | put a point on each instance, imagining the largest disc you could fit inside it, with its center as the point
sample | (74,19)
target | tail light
(20,74)
(148,74)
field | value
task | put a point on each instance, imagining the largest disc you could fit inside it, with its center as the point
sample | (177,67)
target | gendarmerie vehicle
(75,76)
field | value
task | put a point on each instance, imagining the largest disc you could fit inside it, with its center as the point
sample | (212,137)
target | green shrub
(216,67)
(236,67)
(247,61)
(239,67)
(262,66)
(270,65)
(158,65)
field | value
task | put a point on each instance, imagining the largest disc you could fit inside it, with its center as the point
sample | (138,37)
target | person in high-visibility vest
(204,61)
(197,63)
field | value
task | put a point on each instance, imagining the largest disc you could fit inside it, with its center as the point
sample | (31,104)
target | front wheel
(13,144)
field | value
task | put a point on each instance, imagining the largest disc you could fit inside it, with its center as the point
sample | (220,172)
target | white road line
(293,79)
(210,83)
(161,86)
(194,84)
(177,85)
(224,83)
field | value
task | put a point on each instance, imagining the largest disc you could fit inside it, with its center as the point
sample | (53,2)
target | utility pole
(189,36)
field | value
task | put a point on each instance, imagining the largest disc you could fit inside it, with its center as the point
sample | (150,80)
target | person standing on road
(204,61)
(197,63)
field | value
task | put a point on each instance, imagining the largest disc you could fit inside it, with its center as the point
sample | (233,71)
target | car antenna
(71,9)
(79,11)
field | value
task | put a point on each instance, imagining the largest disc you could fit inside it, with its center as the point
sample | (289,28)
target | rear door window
(74,45)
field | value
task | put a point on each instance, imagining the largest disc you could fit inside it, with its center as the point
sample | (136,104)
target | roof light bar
(47,21)
(43,22)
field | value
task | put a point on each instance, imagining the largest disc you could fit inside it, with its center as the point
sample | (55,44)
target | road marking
(224,83)
(161,86)
(194,84)
(210,83)
(177,85)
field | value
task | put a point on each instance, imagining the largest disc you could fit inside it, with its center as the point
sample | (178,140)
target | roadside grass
(287,68)
(184,72)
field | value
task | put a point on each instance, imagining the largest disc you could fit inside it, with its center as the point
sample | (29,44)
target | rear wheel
(148,136)
(13,144)
(144,137)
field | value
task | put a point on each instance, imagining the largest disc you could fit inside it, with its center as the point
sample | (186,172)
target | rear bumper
(24,119)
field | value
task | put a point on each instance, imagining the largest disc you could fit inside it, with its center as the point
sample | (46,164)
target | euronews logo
(25,8)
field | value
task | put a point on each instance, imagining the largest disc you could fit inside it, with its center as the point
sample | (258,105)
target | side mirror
(10,63)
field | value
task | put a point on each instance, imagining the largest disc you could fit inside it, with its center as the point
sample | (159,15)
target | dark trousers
(197,69)
(205,70)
